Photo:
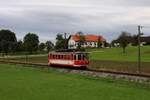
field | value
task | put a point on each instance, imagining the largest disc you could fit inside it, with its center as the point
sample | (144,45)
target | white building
(91,41)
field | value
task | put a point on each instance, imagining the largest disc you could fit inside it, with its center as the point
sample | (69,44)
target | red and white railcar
(68,59)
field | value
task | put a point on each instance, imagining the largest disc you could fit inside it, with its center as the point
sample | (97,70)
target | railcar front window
(87,57)
(84,57)
(79,57)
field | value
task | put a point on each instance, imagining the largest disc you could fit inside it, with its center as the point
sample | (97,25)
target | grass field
(115,54)
(106,58)
(24,83)
(106,54)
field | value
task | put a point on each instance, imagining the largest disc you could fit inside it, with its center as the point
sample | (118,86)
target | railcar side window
(58,56)
(55,56)
(74,57)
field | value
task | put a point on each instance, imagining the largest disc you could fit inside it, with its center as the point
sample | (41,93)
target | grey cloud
(106,17)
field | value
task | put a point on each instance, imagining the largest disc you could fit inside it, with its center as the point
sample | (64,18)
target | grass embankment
(21,83)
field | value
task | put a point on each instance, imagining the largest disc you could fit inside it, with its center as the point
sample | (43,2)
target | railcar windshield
(81,56)
(85,57)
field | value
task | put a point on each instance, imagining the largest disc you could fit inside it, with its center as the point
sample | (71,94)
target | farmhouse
(91,41)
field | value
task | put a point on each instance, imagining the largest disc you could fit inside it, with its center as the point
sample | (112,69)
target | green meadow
(102,54)
(116,54)
(103,58)
(18,82)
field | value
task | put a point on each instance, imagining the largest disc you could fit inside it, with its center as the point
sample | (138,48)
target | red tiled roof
(93,38)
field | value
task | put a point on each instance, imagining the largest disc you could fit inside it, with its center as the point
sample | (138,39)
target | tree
(31,42)
(60,42)
(7,41)
(49,46)
(81,39)
(135,40)
(99,43)
(124,40)
(42,46)
(20,46)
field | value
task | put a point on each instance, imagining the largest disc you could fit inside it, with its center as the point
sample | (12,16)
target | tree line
(125,38)
(30,43)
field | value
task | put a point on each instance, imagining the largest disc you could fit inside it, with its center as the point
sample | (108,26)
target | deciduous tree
(81,40)
(60,42)
(123,39)
(42,46)
(7,41)
(31,42)
(49,46)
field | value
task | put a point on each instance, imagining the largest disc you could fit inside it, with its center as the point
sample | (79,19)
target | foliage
(81,40)
(135,40)
(31,42)
(99,43)
(60,42)
(8,41)
(42,46)
(49,45)
(123,39)
(19,46)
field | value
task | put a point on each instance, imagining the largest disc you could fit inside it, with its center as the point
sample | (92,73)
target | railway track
(136,77)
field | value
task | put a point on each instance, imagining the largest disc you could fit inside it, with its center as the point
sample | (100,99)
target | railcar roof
(54,52)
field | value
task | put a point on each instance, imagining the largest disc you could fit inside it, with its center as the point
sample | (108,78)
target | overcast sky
(49,17)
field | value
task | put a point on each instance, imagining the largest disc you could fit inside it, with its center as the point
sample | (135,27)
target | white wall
(73,45)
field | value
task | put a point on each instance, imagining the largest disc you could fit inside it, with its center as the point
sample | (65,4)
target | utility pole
(139,49)
(65,35)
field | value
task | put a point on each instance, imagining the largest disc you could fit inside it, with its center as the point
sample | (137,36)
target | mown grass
(22,83)
(116,54)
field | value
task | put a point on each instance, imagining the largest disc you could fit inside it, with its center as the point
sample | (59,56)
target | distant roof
(93,38)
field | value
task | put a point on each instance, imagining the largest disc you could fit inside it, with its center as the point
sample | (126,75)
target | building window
(85,43)
(90,43)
